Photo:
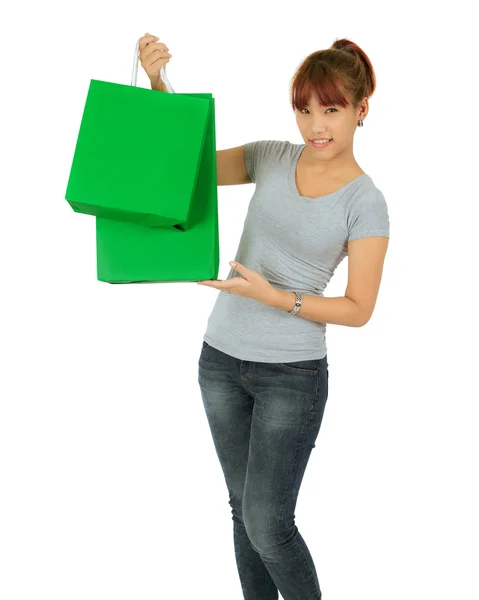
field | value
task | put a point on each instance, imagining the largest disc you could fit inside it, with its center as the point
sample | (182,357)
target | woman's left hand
(252,285)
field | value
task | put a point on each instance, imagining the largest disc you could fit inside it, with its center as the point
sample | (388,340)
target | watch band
(299,300)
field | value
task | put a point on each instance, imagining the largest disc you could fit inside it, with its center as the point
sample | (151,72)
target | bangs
(317,80)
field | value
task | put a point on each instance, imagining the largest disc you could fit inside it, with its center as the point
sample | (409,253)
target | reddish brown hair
(340,75)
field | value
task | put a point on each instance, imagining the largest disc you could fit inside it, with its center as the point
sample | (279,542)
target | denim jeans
(264,419)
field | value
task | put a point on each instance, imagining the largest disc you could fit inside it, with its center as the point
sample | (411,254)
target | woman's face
(316,121)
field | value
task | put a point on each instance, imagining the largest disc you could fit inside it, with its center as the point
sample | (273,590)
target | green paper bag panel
(138,153)
(132,253)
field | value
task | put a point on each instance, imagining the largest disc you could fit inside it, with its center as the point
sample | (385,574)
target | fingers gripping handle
(134,74)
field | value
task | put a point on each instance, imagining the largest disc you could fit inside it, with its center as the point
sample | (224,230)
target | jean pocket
(205,345)
(307,367)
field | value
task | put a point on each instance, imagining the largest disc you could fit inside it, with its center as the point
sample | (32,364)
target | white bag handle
(134,75)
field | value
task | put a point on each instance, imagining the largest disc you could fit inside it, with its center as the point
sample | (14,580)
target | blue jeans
(264,419)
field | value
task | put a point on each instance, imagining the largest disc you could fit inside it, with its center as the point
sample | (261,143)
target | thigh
(289,403)
(229,410)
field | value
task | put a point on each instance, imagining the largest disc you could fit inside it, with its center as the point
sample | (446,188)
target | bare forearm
(338,311)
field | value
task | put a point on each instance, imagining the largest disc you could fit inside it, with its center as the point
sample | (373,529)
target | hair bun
(344,44)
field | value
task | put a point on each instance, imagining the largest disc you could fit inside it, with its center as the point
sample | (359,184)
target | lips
(320,145)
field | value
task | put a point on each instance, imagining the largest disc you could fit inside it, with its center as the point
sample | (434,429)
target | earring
(360,123)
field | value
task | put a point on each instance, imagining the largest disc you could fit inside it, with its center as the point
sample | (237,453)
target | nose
(318,128)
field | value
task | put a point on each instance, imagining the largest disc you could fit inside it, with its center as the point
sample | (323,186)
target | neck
(337,167)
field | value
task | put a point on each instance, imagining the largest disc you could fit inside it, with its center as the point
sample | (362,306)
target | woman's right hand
(153,55)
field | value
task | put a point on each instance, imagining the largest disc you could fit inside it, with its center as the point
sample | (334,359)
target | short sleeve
(258,153)
(368,216)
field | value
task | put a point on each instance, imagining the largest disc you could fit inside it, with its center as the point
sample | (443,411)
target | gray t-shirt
(296,243)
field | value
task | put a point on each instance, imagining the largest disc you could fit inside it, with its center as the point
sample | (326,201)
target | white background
(110,484)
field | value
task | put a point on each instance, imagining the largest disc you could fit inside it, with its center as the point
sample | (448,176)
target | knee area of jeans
(267,543)
(261,538)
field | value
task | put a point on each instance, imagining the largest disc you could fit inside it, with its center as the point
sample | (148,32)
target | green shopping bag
(138,153)
(132,253)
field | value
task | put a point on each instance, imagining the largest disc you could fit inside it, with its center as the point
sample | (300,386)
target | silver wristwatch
(299,300)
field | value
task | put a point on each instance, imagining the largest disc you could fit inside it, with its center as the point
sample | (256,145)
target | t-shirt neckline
(292,180)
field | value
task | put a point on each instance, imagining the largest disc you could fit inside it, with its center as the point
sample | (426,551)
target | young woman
(263,368)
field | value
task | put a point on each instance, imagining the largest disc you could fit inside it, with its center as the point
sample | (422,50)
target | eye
(301,111)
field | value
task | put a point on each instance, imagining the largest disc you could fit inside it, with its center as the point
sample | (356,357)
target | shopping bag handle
(134,75)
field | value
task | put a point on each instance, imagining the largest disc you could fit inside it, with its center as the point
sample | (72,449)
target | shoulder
(367,211)
(262,155)
(264,149)
(365,194)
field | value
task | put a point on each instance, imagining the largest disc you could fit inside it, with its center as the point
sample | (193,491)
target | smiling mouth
(321,144)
